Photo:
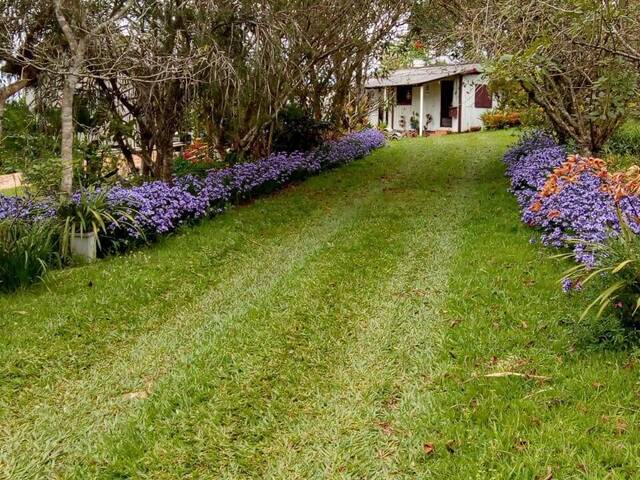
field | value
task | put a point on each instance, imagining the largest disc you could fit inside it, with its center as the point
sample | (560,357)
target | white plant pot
(84,247)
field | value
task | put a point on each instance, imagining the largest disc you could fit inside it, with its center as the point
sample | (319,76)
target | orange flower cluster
(619,185)
(627,183)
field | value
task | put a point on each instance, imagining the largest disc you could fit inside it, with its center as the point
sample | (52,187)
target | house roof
(419,75)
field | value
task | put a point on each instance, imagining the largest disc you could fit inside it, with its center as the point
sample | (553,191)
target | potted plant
(415,121)
(84,218)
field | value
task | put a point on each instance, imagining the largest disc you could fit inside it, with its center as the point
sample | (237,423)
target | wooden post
(421,109)
(386,107)
(460,92)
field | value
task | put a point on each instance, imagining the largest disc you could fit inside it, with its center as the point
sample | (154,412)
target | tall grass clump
(27,250)
(626,140)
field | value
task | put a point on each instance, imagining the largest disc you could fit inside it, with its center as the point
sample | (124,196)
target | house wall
(471,116)
(400,115)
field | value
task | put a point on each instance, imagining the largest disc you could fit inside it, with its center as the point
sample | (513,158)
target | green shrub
(499,119)
(533,117)
(43,176)
(28,136)
(27,250)
(626,140)
(182,166)
(297,130)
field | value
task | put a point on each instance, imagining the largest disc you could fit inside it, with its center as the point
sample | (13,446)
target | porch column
(386,107)
(421,109)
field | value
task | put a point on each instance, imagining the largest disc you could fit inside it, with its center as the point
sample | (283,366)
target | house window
(403,95)
(483,97)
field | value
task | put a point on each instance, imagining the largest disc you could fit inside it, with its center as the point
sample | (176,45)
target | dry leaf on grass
(386,428)
(429,448)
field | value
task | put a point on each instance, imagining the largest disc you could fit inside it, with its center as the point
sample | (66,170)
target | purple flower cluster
(26,208)
(160,207)
(157,208)
(529,163)
(578,212)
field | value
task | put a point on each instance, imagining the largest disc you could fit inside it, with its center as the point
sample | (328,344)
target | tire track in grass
(58,429)
(90,322)
(349,431)
(235,395)
(78,410)
(416,413)
(48,336)
(356,423)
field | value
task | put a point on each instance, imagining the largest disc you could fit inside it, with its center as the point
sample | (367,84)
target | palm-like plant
(27,250)
(618,267)
(90,212)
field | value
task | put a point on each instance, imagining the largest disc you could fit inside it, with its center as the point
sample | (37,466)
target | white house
(433,98)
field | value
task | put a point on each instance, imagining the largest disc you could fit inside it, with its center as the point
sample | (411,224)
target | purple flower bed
(529,163)
(158,208)
(578,211)
(25,208)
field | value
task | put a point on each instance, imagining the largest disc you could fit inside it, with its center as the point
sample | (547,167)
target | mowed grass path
(342,328)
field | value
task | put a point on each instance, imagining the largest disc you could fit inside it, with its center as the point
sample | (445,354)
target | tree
(618,20)
(81,23)
(334,85)
(157,78)
(567,59)
(27,27)
(298,51)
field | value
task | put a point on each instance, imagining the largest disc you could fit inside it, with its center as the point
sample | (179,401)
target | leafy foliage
(27,250)
(297,129)
(626,140)
(28,136)
(500,119)
(617,273)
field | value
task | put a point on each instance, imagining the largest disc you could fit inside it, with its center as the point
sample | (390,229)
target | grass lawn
(347,327)
(12,191)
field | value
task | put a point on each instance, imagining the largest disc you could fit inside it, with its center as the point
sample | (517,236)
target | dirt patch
(11,180)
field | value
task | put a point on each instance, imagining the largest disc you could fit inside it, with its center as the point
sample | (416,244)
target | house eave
(422,75)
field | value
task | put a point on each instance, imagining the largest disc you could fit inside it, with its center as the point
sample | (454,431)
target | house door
(446,102)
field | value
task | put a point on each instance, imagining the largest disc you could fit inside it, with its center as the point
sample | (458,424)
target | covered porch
(426,99)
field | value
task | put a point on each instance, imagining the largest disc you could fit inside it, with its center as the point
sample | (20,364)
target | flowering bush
(26,209)
(157,208)
(500,119)
(580,200)
(570,198)
(530,162)
(576,202)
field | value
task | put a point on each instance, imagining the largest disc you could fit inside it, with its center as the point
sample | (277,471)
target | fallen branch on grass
(528,376)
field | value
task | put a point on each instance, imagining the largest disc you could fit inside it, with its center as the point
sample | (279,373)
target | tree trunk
(68,92)
(164,160)
(147,162)
(126,152)
(2,102)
